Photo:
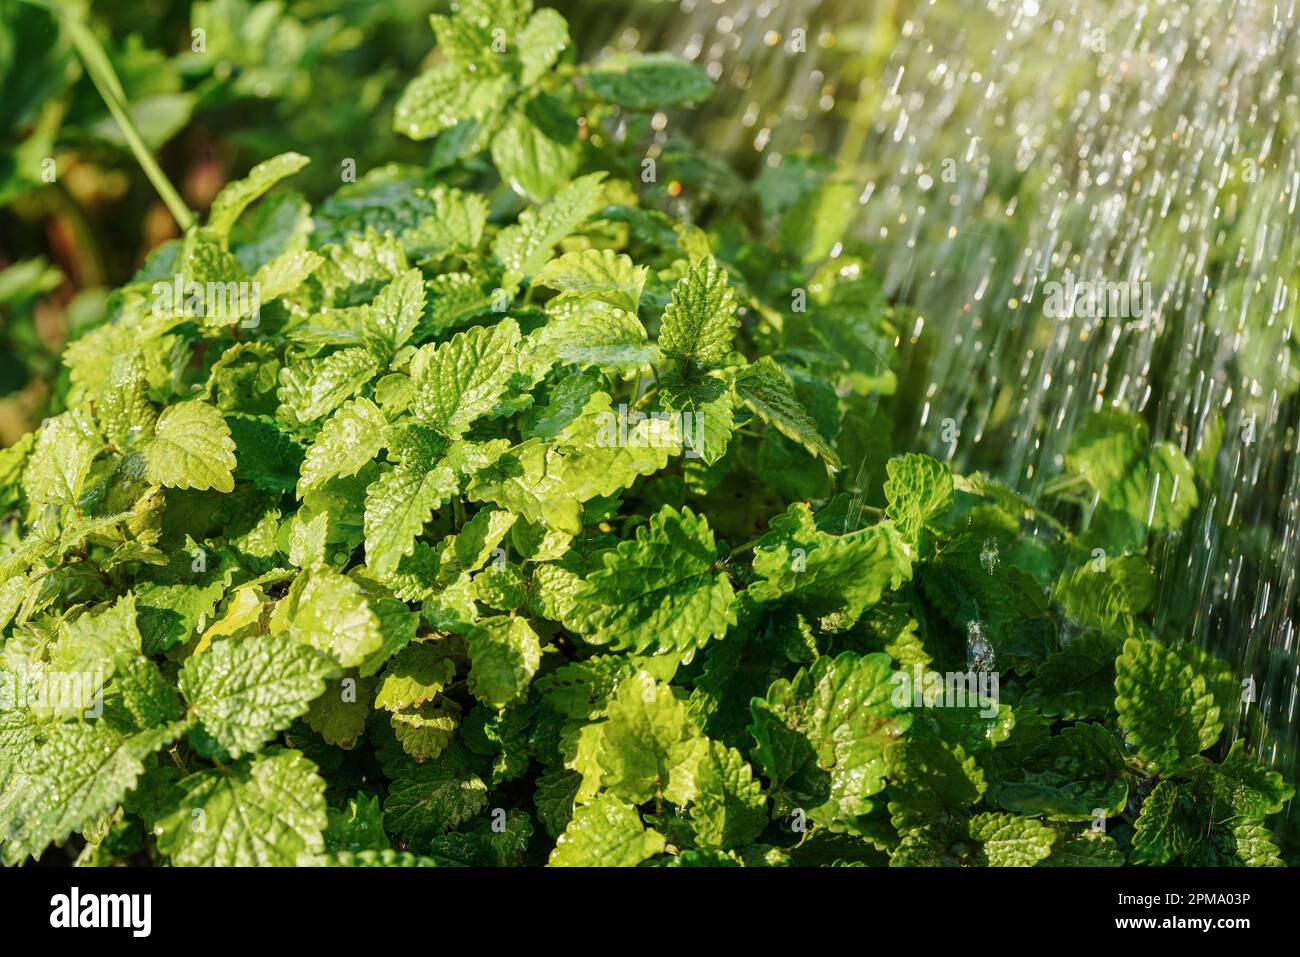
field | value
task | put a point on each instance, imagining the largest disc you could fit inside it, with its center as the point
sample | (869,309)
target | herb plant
(518,522)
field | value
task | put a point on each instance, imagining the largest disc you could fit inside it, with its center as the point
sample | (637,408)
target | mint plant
(513,521)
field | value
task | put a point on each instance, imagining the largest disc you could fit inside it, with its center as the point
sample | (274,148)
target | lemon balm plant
(521,523)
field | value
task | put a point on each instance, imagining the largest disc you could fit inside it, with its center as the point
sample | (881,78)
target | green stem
(1063,483)
(110,89)
(741,549)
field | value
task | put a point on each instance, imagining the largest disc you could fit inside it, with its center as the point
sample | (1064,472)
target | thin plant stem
(110,89)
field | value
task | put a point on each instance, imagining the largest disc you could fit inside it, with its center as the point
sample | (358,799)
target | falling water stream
(1005,145)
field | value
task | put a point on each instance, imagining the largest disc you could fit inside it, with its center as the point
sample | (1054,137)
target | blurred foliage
(214,87)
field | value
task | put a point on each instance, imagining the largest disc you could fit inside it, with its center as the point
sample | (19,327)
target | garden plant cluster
(486,514)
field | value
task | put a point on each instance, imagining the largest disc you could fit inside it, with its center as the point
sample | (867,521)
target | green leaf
(416,674)
(1107,594)
(398,308)
(647,746)
(315,389)
(398,504)
(1011,841)
(591,333)
(579,689)
(823,738)
(659,591)
(556,789)
(243,691)
(524,248)
(425,800)
(261,811)
(236,196)
(1166,710)
(425,731)
(699,323)
(701,410)
(536,151)
(359,826)
(284,274)
(1079,680)
(1088,849)
(348,440)
(1082,775)
(438,99)
(339,714)
(58,465)
(766,390)
(1164,828)
(329,612)
(730,809)
(458,381)
(504,654)
(600,275)
(820,219)
(1241,783)
(191,448)
(836,576)
(649,81)
(80,771)
(1253,846)
(919,491)
(605,833)
(1150,484)
(540,44)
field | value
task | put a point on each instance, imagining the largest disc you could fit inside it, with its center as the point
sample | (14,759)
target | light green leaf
(339,714)
(540,43)
(285,273)
(765,389)
(243,691)
(504,654)
(1150,484)
(440,98)
(919,491)
(1088,849)
(261,811)
(536,151)
(57,466)
(398,308)
(1109,596)
(329,612)
(525,247)
(647,746)
(730,810)
(191,448)
(590,333)
(701,409)
(347,442)
(829,575)
(80,771)
(1011,841)
(660,591)
(235,197)
(416,674)
(605,833)
(458,381)
(426,730)
(314,389)
(596,274)
(398,504)
(699,323)
(824,737)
